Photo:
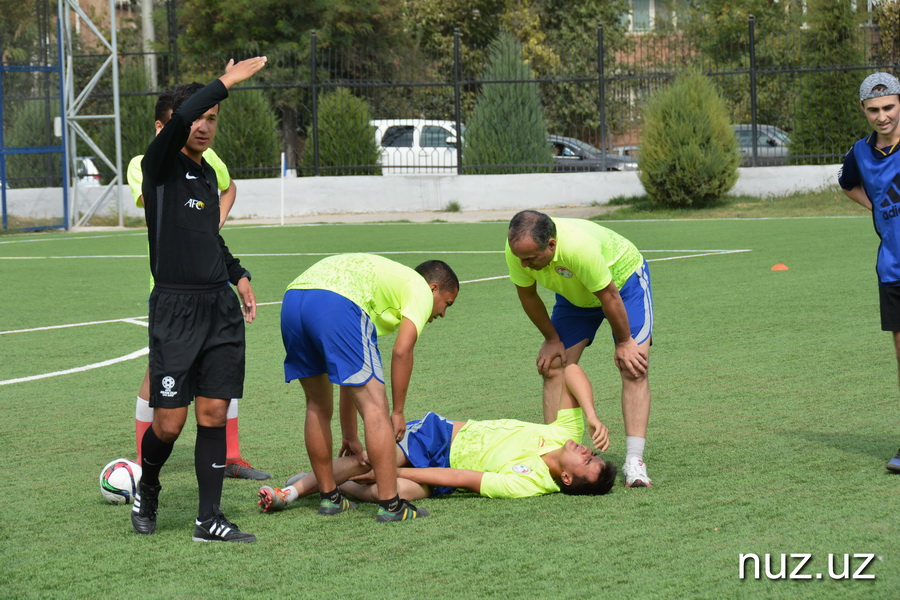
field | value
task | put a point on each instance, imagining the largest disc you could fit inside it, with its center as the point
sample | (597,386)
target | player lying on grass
(502,458)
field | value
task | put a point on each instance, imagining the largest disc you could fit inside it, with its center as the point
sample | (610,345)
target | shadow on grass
(879,448)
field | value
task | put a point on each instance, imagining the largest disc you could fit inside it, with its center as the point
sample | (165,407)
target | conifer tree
(247,136)
(507,132)
(346,139)
(689,154)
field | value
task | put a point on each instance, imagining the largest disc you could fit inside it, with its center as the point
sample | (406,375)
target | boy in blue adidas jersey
(871,177)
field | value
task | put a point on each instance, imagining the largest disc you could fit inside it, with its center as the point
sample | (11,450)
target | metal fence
(772,85)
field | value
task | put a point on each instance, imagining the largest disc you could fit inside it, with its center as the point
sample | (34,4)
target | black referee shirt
(181,205)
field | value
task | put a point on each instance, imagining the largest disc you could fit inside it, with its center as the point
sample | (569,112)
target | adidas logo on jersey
(892,202)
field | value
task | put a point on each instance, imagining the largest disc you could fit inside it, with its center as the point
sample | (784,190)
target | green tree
(507,125)
(720,30)
(247,135)
(887,18)
(18,31)
(354,39)
(31,124)
(433,22)
(828,121)
(237,28)
(346,140)
(571,29)
(689,155)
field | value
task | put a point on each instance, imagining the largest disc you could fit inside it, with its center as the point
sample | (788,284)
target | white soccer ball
(119,481)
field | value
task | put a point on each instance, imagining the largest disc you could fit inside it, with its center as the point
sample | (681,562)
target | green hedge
(689,154)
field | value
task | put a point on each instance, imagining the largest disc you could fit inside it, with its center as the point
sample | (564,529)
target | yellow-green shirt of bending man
(588,256)
(384,289)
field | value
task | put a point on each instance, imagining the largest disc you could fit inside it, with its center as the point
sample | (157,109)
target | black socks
(209,464)
(392,505)
(334,496)
(154,454)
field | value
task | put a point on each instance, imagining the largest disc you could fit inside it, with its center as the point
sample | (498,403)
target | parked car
(633,152)
(574,156)
(772,145)
(86,175)
(416,146)
(86,171)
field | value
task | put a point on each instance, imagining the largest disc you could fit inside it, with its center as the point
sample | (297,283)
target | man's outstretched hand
(238,72)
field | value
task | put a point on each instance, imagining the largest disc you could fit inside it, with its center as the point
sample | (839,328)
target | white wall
(413,193)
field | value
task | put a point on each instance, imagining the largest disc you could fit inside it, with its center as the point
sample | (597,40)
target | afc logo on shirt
(195,204)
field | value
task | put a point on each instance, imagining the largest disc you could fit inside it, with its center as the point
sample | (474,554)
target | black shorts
(197,345)
(890,307)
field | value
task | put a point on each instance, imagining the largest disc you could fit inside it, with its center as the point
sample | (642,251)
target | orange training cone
(780,267)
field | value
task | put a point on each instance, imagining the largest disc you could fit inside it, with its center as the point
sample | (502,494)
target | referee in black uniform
(196,322)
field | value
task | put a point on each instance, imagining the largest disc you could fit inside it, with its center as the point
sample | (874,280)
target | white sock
(142,410)
(634,447)
(292,494)
(232,409)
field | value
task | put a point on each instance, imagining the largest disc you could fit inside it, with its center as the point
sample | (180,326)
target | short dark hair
(183,92)
(164,106)
(439,272)
(583,487)
(535,224)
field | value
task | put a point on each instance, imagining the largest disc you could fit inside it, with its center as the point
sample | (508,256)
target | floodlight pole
(74,105)
(148,35)
(751,24)
(601,89)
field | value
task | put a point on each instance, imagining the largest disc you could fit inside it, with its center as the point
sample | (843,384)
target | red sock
(232,442)
(143,418)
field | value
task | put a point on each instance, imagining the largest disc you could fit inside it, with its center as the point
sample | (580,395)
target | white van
(416,146)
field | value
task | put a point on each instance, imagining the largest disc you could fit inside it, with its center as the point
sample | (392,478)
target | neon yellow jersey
(587,258)
(385,290)
(509,453)
(136,177)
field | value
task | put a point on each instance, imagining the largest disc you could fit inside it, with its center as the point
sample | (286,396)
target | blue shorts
(574,323)
(427,444)
(323,332)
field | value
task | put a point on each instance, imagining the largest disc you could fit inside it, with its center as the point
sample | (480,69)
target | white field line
(134,320)
(144,256)
(706,252)
(709,253)
(143,322)
(105,363)
(69,238)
